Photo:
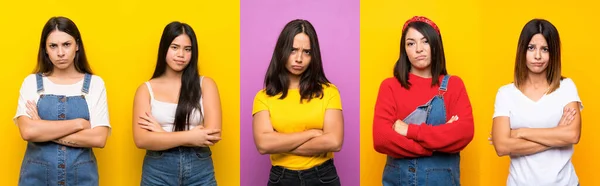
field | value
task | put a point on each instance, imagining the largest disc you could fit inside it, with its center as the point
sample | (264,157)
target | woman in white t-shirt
(62,111)
(177,114)
(537,117)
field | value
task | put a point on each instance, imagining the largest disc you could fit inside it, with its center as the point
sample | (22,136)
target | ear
(76,45)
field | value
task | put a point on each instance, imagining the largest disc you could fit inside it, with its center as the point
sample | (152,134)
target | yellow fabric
(289,115)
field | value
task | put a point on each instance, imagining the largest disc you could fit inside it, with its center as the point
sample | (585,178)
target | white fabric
(164,112)
(551,167)
(96,97)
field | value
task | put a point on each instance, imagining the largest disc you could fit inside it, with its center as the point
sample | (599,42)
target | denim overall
(439,169)
(50,163)
(189,166)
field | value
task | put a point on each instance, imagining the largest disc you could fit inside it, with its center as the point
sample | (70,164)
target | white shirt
(552,167)
(164,112)
(96,97)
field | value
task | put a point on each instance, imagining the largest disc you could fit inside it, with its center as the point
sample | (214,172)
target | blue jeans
(320,175)
(190,166)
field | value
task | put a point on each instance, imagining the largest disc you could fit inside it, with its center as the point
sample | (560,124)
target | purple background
(337,25)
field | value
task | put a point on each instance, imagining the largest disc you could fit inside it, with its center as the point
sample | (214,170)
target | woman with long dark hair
(297,118)
(423,117)
(62,111)
(177,114)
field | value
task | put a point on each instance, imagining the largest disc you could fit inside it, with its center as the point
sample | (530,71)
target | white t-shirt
(552,167)
(96,97)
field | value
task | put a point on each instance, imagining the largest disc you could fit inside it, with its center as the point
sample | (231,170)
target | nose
(179,52)
(538,54)
(419,47)
(298,57)
(61,51)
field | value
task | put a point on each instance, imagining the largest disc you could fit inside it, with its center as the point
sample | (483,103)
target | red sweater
(395,102)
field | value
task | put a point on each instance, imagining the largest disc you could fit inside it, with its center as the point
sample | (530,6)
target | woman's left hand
(148,122)
(32,110)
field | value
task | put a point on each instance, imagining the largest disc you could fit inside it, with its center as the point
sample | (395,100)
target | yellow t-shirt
(288,115)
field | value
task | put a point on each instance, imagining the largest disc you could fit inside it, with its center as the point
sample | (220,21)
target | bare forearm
(91,138)
(319,145)
(518,147)
(45,130)
(554,137)
(275,142)
(161,140)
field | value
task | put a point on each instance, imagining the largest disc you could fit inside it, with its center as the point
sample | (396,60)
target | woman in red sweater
(423,116)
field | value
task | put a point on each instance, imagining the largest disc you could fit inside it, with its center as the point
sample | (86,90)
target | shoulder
(97,81)
(261,94)
(207,82)
(391,81)
(567,82)
(507,89)
(30,79)
(142,89)
(455,82)
(330,87)
(29,84)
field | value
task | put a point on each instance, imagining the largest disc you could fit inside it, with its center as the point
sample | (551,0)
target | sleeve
(28,92)
(99,107)
(501,107)
(449,137)
(260,102)
(570,92)
(334,101)
(385,139)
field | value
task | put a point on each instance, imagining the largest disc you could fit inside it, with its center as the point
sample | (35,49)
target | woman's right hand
(202,137)
(84,123)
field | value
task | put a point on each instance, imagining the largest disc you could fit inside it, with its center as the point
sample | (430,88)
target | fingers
(453,119)
(208,143)
(143,122)
(146,118)
(32,110)
(568,116)
(212,131)
(213,138)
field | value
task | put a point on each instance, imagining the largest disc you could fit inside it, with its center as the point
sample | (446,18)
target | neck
(537,80)
(172,75)
(69,72)
(424,73)
(294,82)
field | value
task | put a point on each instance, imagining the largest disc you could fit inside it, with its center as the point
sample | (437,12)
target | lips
(537,64)
(297,67)
(421,57)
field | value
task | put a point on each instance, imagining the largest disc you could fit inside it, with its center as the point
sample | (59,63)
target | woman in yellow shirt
(297,118)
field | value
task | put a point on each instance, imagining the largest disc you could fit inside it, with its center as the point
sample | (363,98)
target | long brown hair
(550,33)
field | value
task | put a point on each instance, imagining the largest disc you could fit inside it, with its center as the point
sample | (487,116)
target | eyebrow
(52,43)
(177,45)
(414,39)
(536,45)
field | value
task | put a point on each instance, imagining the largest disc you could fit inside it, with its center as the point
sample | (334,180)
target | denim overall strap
(40,83)
(86,83)
(444,86)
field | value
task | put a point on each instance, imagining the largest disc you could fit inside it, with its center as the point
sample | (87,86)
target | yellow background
(121,40)
(480,40)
